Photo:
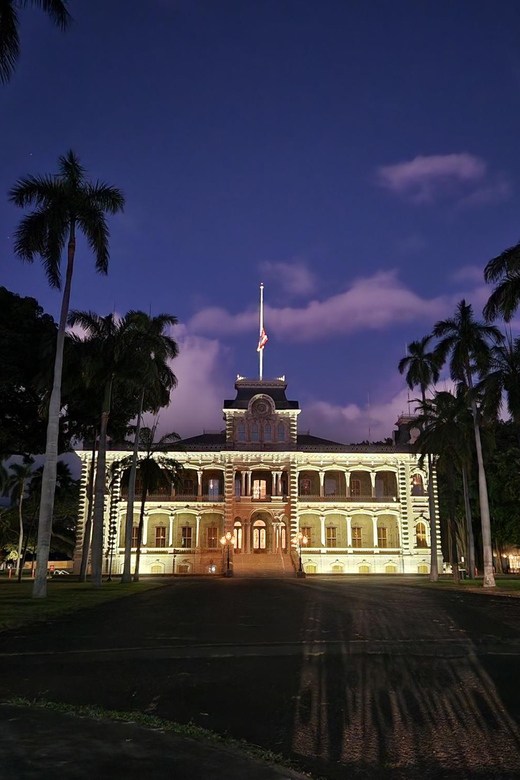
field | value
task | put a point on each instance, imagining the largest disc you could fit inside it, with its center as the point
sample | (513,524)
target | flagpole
(261,351)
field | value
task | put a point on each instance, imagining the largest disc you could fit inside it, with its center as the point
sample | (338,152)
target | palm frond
(9,40)
(506,263)
(504,300)
(93,224)
(55,9)
(106,197)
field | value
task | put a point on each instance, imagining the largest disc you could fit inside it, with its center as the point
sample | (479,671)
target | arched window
(420,535)
(255,435)
(417,485)
(310,568)
(241,432)
(423,568)
(337,568)
(364,568)
(280,432)
(390,568)
(268,432)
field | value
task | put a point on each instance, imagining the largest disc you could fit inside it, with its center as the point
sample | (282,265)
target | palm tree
(439,421)
(109,358)
(157,380)
(9,36)
(65,204)
(423,369)
(154,470)
(19,477)
(503,378)
(468,344)
(504,271)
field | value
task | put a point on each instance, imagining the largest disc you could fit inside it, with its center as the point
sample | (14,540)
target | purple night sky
(361,159)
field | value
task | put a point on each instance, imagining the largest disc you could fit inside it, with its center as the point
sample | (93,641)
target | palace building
(287,500)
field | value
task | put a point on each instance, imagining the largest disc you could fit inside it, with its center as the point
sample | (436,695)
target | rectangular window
(186,536)
(135,530)
(160,536)
(212,538)
(255,434)
(331,536)
(330,486)
(305,487)
(241,432)
(382,539)
(356,537)
(355,487)
(213,487)
(268,433)
(306,531)
(259,489)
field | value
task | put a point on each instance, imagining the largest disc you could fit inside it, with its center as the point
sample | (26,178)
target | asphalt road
(368,675)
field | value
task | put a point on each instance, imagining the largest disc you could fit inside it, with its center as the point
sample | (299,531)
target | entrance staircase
(266,565)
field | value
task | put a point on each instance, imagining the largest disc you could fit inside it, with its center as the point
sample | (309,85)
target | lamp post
(226,541)
(300,539)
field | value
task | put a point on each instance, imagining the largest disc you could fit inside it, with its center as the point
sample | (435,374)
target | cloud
(294,278)
(352,423)
(411,244)
(425,177)
(468,273)
(371,303)
(196,403)
(493,192)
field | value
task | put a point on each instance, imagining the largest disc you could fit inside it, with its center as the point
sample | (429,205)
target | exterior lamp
(301,539)
(226,541)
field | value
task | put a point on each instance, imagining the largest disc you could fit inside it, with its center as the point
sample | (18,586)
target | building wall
(399,512)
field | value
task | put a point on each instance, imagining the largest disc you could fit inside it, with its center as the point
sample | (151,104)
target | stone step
(263,565)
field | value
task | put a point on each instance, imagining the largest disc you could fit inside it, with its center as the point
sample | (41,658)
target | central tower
(261,417)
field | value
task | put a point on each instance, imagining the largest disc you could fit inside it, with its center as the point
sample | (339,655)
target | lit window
(417,485)
(268,432)
(306,531)
(259,489)
(186,536)
(355,487)
(255,436)
(135,533)
(213,487)
(356,537)
(212,537)
(420,535)
(331,536)
(160,536)
(382,540)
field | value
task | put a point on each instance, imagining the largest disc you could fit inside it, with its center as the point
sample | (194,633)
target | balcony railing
(190,498)
(384,499)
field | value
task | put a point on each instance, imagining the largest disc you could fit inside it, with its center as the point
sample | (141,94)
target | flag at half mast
(262,341)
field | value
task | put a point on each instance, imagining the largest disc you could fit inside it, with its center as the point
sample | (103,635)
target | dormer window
(268,432)
(255,433)
(241,432)
(280,432)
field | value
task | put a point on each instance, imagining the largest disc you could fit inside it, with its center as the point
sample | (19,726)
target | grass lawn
(17,608)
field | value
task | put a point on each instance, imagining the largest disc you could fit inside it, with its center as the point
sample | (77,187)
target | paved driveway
(388,680)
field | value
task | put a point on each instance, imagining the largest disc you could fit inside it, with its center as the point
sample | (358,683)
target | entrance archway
(237,532)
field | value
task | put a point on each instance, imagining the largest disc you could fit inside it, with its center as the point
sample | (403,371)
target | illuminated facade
(360,509)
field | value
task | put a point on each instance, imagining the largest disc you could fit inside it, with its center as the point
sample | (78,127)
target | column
(347,482)
(170,535)
(246,541)
(243,478)
(349,531)
(197,532)
(322,484)
(374,524)
(322,530)
(199,483)
(248,482)
(145,530)
(276,483)
(373,482)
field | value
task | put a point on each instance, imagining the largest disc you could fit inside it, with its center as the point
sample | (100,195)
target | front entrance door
(259,536)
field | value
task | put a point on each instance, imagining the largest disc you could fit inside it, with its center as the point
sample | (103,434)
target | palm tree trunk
(140,532)
(26,545)
(88,522)
(53,428)
(99,493)
(489,578)
(20,534)
(453,526)
(469,525)
(127,574)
